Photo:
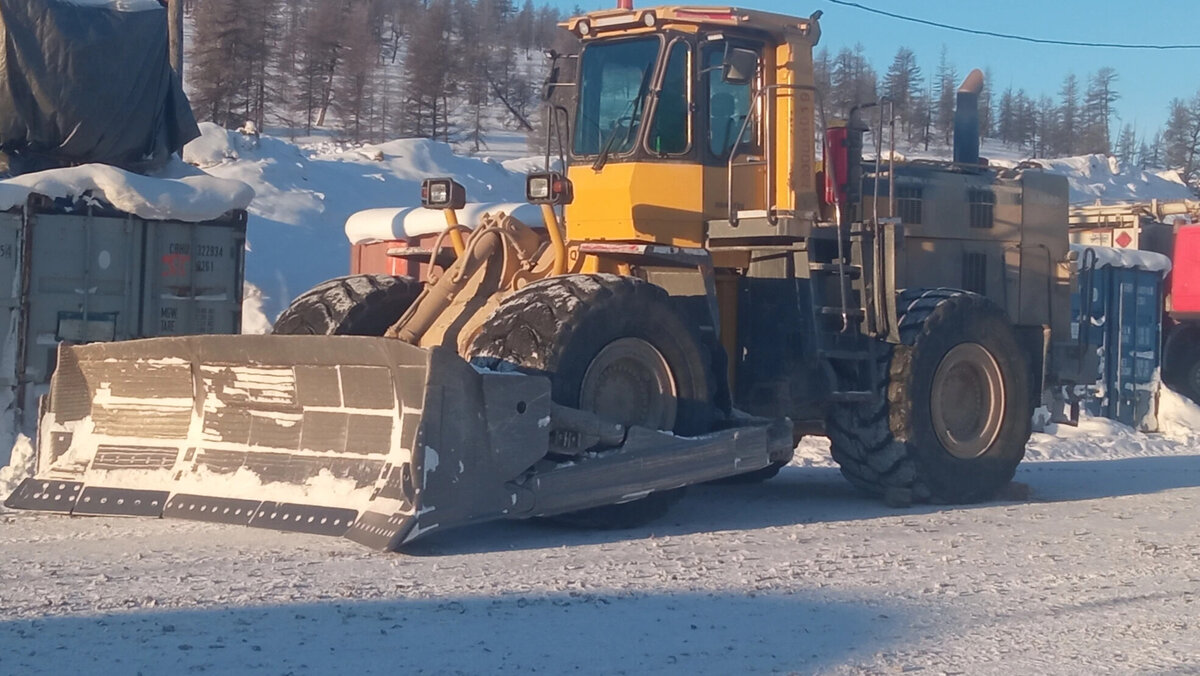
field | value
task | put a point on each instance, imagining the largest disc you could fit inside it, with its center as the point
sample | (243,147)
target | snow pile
(181,193)
(1101,177)
(118,5)
(254,320)
(20,466)
(1178,418)
(304,197)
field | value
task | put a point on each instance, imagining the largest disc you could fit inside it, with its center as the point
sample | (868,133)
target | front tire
(614,346)
(955,414)
(356,305)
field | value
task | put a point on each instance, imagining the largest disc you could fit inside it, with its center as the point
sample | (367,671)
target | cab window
(669,133)
(728,106)
(614,86)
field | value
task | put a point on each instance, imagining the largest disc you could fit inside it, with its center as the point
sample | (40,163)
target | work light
(442,193)
(548,188)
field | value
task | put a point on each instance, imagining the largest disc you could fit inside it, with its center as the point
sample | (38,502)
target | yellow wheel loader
(716,276)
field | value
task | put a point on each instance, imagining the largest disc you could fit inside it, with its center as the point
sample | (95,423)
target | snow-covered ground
(1089,564)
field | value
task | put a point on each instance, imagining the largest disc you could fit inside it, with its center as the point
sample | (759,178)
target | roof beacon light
(625,4)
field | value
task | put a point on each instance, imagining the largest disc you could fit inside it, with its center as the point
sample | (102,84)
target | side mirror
(563,71)
(442,193)
(739,66)
(548,188)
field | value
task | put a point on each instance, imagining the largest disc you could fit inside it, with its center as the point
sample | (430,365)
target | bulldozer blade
(368,438)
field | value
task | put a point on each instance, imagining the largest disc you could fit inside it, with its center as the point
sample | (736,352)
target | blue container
(1125,327)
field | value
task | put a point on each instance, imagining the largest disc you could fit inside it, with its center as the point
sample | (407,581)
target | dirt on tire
(355,305)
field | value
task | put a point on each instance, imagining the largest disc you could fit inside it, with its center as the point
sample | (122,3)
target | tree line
(381,69)
(1079,120)
(372,69)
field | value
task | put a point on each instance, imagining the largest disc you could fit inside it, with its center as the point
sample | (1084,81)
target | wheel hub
(967,400)
(629,382)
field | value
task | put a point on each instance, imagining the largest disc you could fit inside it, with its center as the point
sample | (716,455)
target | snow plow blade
(368,438)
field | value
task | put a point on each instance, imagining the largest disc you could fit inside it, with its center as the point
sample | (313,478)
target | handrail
(772,218)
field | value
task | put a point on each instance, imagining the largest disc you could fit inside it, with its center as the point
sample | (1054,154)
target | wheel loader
(719,271)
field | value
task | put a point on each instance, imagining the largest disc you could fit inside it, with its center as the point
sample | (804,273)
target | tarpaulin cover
(89,81)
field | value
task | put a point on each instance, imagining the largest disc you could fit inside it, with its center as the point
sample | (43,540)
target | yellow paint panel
(642,201)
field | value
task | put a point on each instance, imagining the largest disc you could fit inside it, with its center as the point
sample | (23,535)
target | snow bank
(398,223)
(254,320)
(185,196)
(304,197)
(1107,256)
(20,465)
(1101,177)
(117,5)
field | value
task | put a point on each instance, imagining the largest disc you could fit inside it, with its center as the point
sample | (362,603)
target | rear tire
(612,345)
(955,416)
(356,305)
(1181,362)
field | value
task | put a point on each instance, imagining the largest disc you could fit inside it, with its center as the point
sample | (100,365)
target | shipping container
(94,274)
(1120,292)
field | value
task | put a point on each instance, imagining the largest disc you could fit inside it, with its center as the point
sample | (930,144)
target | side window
(669,133)
(728,106)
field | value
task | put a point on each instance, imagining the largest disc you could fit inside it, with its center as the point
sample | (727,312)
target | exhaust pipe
(966,119)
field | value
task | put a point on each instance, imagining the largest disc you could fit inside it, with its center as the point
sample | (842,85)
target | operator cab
(667,122)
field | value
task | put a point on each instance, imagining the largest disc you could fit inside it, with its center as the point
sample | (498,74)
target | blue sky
(1148,79)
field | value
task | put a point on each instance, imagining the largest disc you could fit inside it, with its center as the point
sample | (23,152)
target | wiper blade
(634,106)
(608,142)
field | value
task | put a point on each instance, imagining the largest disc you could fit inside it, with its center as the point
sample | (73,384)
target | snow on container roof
(118,5)
(192,198)
(374,225)
(1107,256)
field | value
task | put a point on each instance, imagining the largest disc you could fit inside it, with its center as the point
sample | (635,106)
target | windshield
(614,83)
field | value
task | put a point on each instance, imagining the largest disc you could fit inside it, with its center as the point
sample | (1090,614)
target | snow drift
(304,197)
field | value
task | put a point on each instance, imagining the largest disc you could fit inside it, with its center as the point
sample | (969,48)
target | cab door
(730,126)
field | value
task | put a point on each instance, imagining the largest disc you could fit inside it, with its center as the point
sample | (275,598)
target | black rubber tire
(356,305)
(1181,363)
(890,448)
(555,327)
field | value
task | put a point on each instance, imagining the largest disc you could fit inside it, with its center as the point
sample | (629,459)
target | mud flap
(369,438)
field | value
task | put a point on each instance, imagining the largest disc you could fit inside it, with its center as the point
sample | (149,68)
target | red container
(1185,272)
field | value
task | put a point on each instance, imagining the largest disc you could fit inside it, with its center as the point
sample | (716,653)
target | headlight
(539,187)
(584,28)
(442,193)
(439,193)
(548,188)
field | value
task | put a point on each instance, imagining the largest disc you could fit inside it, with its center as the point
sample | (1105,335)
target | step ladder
(841,309)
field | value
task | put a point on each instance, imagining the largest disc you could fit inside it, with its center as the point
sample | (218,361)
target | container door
(10,293)
(193,278)
(83,284)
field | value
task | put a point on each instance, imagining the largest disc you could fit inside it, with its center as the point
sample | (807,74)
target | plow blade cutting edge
(368,438)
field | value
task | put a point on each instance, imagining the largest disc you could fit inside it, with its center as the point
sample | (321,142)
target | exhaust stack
(966,119)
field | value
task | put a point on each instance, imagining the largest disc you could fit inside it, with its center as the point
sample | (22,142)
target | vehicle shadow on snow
(802,495)
(722,633)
